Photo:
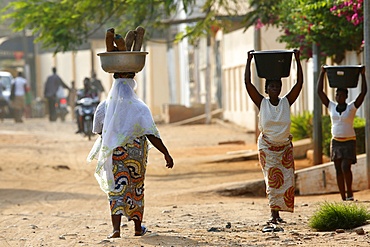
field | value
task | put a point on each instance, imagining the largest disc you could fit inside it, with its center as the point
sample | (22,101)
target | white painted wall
(153,81)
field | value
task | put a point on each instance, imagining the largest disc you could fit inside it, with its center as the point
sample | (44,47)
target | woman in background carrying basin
(343,143)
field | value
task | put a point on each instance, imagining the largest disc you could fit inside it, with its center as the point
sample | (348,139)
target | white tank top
(342,124)
(274,121)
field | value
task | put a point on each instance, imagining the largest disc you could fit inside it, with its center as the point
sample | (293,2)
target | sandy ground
(49,196)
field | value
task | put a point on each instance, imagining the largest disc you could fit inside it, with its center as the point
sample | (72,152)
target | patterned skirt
(277,163)
(129,166)
(18,102)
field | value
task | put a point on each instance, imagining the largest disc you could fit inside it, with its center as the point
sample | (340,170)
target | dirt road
(49,196)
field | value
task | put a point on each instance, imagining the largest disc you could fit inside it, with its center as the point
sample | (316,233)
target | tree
(66,24)
(336,26)
(317,22)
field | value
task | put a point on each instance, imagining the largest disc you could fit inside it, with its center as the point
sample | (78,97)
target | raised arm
(296,89)
(157,142)
(320,87)
(251,89)
(360,98)
(61,83)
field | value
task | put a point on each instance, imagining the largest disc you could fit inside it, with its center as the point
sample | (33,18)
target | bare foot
(115,234)
(141,232)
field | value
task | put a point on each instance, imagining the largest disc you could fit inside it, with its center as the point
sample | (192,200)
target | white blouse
(274,121)
(342,124)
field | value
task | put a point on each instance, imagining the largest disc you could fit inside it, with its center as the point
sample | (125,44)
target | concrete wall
(154,86)
(321,179)
(173,113)
(70,67)
(238,107)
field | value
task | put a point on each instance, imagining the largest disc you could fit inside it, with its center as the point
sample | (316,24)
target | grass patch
(333,215)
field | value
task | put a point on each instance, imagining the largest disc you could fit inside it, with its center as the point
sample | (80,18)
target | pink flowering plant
(335,26)
(351,10)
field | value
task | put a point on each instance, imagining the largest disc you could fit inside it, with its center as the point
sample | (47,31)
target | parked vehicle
(86,108)
(6,79)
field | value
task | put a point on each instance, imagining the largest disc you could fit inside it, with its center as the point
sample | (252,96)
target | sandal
(272,228)
(280,220)
(143,231)
(275,221)
(272,221)
(115,234)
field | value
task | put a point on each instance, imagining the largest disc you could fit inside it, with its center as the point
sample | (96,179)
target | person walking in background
(125,124)
(96,83)
(3,103)
(343,142)
(72,98)
(275,140)
(28,102)
(19,89)
(51,87)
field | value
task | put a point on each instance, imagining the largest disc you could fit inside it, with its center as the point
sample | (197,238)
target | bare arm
(157,142)
(360,98)
(251,89)
(320,88)
(296,89)
(63,84)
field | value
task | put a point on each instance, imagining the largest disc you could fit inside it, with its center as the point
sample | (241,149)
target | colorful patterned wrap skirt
(129,166)
(277,163)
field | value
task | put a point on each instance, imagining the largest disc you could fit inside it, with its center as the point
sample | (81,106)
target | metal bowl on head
(122,61)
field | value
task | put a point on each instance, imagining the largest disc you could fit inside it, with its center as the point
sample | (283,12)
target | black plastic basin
(343,76)
(273,64)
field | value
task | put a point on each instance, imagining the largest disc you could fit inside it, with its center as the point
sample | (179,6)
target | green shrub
(326,134)
(333,215)
(359,122)
(359,126)
(301,126)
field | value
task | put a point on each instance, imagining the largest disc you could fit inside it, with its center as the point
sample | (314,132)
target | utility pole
(256,79)
(317,106)
(366,6)
(208,105)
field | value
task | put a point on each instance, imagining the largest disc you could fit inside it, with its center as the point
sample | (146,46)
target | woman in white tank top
(274,142)
(343,142)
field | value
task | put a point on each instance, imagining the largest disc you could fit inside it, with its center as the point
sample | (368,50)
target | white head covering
(126,118)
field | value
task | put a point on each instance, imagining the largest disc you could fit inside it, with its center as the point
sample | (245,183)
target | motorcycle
(61,108)
(85,111)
